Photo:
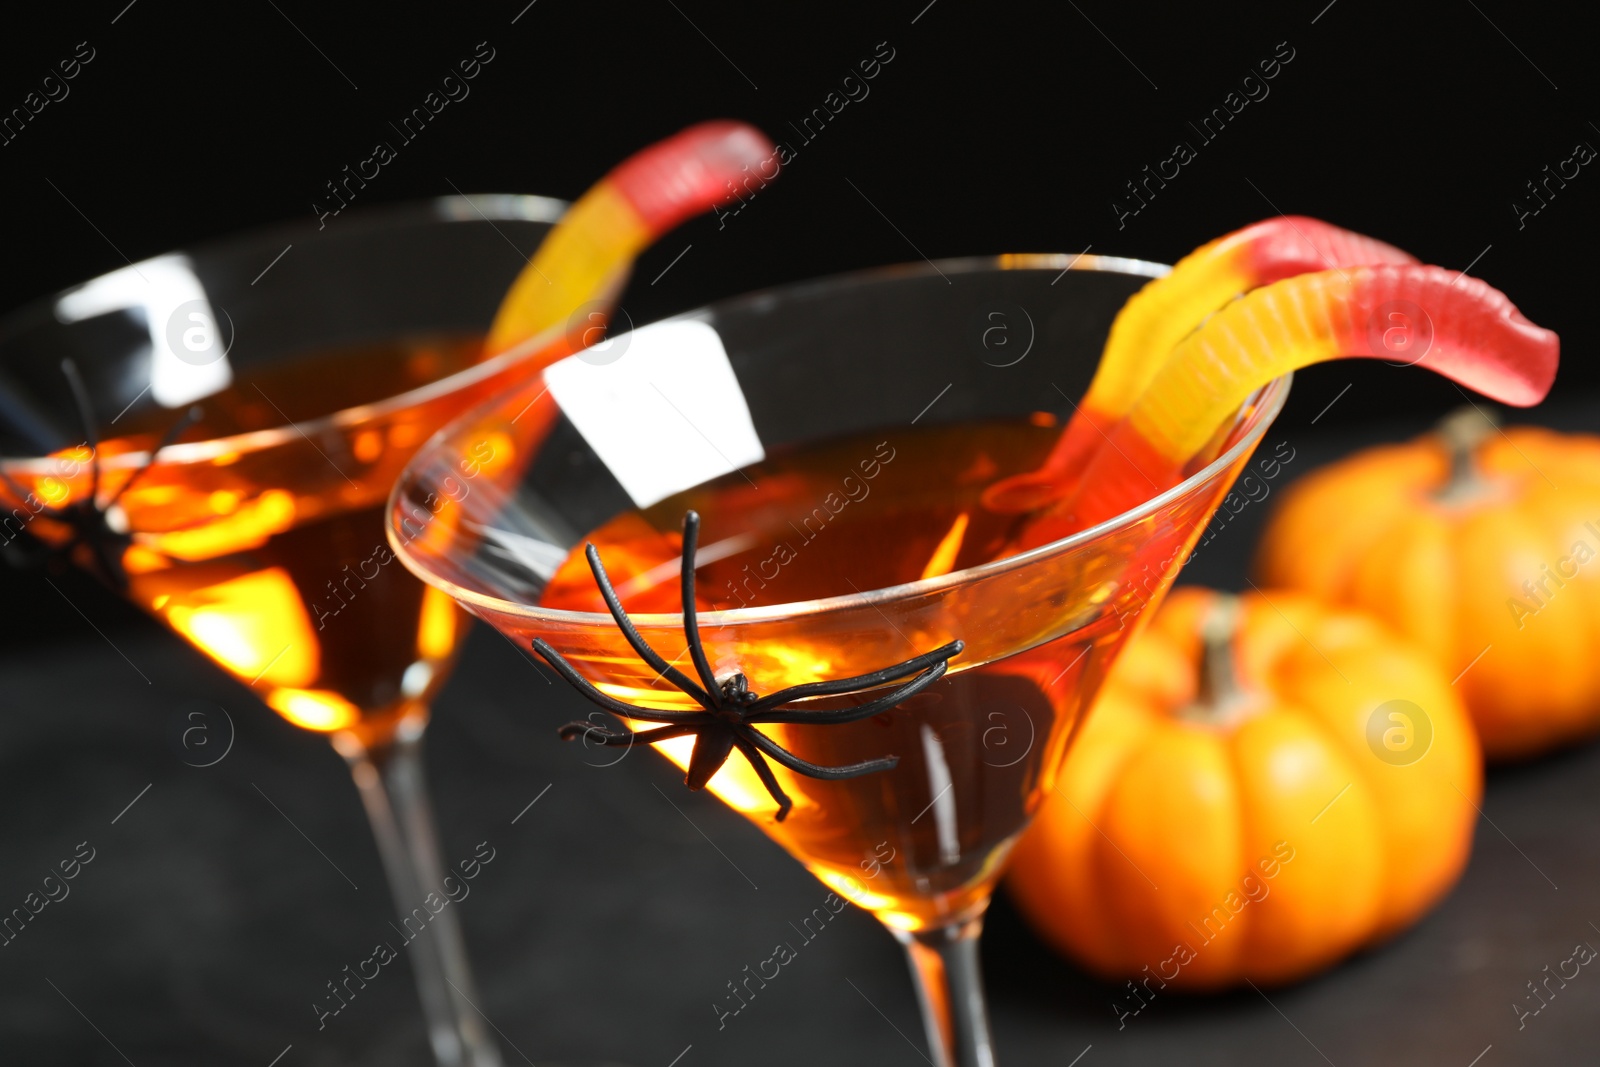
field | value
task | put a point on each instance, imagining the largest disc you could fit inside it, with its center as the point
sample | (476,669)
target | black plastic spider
(731,710)
(96,526)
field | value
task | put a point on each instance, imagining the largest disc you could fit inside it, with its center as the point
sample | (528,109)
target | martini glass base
(949,981)
(390,779)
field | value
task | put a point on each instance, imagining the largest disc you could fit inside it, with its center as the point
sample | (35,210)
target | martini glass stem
(944,967)
(391,781)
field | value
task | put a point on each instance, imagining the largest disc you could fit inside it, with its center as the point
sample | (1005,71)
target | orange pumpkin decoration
(1480,547)
(1264,786)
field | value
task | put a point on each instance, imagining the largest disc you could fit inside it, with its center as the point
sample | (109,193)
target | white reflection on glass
(667,417)
(188,345)
(940,784)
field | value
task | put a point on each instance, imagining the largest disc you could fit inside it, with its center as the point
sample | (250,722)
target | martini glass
(836,438)
(319,359)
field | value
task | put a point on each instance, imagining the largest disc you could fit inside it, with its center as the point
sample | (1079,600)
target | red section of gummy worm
(1295,244)
(1473,333)
(693,171)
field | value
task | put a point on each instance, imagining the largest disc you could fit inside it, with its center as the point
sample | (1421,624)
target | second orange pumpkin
(1307,791)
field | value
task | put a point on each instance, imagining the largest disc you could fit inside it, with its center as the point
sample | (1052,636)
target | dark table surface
(219,904)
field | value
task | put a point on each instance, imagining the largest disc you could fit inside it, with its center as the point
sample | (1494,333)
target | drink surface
(831,519)
(273,561)
(977,750)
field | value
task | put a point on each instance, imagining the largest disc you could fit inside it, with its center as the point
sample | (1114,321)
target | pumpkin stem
(1220,694)
(1463,432)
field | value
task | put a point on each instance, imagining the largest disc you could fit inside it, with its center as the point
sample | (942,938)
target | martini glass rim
(1264,405)
(525,207)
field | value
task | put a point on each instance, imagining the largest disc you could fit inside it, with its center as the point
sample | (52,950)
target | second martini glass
(259,537)
(836,438)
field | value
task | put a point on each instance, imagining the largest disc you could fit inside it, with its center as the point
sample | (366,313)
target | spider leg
(611,704)
(110,566)
(646,653)
(691,621)
(80,397)
(814,770)
(33,548)
(712,745)
(620,738)
(764,772)
(860,681)
(22,494)
(858,712)
(173,433)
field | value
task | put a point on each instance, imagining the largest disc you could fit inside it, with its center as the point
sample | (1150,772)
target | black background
(995,128)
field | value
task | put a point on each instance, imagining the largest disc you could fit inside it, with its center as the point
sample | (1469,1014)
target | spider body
(87,525)
(101,530)
(729,710)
